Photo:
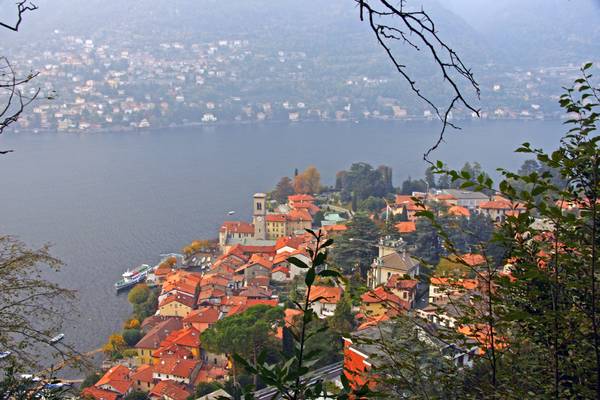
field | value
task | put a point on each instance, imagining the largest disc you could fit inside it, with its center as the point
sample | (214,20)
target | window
(259,206)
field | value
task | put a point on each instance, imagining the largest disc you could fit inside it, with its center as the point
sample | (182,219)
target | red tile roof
(406,227)
(301,198)
(380,295)
(397,282)
(118,378)
(237,227)
(276,218)
(459,211)
(187,337)
(206,315)
(187,301)
(328,294)
(143,373)
(176,367)
(171,389)
(99,394)
(158,333)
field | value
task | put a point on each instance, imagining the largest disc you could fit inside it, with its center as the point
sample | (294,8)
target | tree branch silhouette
(23,6)
(396,23)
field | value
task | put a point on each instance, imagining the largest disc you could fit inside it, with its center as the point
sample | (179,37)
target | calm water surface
(114,200)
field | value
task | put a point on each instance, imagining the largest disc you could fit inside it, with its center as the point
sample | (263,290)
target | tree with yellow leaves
(116,344)
(308,181)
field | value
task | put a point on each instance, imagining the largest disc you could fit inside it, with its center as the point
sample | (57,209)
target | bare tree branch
(416,29)
(23,6)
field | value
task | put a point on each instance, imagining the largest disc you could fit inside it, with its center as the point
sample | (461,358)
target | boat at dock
(133,277)
(57,338)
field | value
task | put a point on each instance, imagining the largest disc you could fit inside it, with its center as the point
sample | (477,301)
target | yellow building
(177,305)
(277,226)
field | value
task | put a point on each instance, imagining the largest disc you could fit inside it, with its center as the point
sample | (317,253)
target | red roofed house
(440,289)
(459,211)
(325,299)
(406,227)
(151,341)
(187,338)
(176,305)
(202,318)
(112,385)
(498,210)
(235,230)
(257,266)
(99,394)
(182,371)
(405,289)
(379,301)
(142,378)
(169,390)
(281,273)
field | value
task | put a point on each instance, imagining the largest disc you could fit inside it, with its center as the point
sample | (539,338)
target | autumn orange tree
(308,181)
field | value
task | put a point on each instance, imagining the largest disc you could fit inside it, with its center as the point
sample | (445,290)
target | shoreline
(121,129)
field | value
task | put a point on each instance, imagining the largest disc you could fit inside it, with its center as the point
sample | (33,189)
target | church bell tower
(259,212)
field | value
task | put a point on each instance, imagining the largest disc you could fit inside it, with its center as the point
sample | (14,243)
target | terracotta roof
(171,389)
(380,295)
(210,294)
(188,337)
(301,197)
(187,301)
(406,227)
(176,367)
(403,199)
(207,315)
(290,315)
(335,228)
(237,227)
(300,215)
(143,373)
(459,211)
(99,394)
(158,333)
(500,205)
(240,308)
(173,351)
(214,280)
(397,282)
(276,218)
(468,284)
(256,292)
(116,377)
(444,196)
(473,259)
(182,287)
(373,321)
(329,294)
(295,242)
(282,269)
(256,260)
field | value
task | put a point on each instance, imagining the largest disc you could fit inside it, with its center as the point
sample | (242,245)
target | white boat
(231,212)
(57,338)
(131,278)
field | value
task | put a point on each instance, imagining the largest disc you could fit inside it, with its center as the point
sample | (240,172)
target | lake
(111,201)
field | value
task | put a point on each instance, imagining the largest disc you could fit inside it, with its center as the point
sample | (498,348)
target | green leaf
(298,263)
(310,277)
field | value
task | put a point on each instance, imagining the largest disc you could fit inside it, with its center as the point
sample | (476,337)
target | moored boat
(57,338)
(133,277)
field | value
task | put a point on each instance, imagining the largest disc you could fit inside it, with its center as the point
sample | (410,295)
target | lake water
(114,200)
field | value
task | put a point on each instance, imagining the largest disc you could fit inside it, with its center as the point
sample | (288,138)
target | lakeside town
(171,354)
(107,83)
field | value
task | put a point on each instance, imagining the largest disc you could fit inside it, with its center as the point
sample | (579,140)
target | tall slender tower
(259,212)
